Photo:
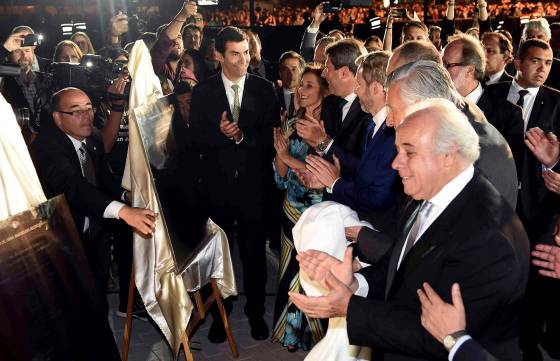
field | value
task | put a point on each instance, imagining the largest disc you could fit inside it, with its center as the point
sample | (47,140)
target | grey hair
(424,79)
(453,131)
(540,24)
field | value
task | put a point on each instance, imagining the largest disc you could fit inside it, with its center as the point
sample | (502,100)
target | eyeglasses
(451,65)
(79,112)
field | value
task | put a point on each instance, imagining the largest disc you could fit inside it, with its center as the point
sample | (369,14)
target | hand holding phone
(32,40)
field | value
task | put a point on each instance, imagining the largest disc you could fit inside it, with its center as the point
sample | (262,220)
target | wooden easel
(201,312)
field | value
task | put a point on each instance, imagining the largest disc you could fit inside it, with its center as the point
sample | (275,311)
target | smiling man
(232,116)
(444,237)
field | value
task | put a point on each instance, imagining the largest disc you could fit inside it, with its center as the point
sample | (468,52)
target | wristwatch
(321,147)
(450,340)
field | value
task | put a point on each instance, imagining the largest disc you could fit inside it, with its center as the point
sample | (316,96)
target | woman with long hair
(291,327)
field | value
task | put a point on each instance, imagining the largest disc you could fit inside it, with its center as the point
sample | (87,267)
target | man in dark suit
(371,185)
(465,61)
(499,53)
(540,29)
(344,124)
(232,116)
(537,206)
(69,159)
(258,65)
(455,218)
(290,67)
(423,79)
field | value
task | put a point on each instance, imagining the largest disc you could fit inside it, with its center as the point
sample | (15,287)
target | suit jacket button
(235,174)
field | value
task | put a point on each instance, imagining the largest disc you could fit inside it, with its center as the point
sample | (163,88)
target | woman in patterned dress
(291,327)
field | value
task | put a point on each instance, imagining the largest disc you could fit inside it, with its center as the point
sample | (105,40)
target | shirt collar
(228,83)
(286,91)
(475,94)
(516,87)
(453,188)
(35,65)
(495,77)
(350,98)
(75,142)
(380,116)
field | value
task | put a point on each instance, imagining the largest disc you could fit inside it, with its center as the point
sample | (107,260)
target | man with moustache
(444,237)
(168,48)
(231,121)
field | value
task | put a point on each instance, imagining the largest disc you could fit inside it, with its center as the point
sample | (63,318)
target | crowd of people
(442,151)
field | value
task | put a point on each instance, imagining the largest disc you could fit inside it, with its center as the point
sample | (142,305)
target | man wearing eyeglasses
(68,158)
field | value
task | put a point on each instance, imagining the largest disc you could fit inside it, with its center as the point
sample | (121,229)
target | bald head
(412,51)
(73,113)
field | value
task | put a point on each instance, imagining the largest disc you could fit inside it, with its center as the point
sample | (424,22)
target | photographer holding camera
(24,92)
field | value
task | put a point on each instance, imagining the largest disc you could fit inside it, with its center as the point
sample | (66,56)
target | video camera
(332,6)
(93,75)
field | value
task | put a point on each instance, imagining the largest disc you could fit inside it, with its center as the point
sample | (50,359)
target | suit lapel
(220,96)
(350,116)
(248,103)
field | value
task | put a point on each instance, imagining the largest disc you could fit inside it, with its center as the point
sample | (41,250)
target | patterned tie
(236,106)
(87,165)
(421,218)
(521,100)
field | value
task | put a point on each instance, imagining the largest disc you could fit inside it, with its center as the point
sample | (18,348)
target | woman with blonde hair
(67,52)
(83,41)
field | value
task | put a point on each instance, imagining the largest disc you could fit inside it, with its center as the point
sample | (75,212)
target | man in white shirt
(446,237)
(69,160)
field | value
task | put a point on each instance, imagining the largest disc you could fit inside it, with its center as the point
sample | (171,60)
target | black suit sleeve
(472,351)
(307,47)
(60,173)
(485,277)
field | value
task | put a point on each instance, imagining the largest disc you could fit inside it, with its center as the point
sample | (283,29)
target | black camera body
(332,6)
(93,75)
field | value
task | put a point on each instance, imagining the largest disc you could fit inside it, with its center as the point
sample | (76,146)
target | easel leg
(186,348)
(128,321)
(223,314)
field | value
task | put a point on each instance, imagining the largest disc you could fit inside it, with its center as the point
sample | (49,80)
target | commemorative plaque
(48,306)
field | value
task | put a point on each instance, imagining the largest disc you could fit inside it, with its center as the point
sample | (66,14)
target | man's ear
(517,64)
(57,118)
(219,56)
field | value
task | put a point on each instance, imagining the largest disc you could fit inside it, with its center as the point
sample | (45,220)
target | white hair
(424,79)
(540,24)
(453,131)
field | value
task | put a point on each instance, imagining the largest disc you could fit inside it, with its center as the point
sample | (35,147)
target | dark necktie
(341,105)
(291,107)
(370,130)
(521,100)
(87,164)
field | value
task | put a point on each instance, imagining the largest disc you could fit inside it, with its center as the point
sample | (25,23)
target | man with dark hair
(537,207)
(25,92)
(290,66)
(69,159)
(344,124)
(465,61)
(259,65)
(231,120)
(499,53)
(168,48)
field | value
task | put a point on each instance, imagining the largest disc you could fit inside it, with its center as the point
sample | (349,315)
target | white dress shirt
(440,202)
(231,94)
(113,209)
(529,101)
(475,95)
(287,97)
(494,78)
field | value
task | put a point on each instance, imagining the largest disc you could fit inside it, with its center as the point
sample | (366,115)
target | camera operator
(24,92)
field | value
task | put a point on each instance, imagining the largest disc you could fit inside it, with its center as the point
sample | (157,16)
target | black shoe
(217,333)
(259,329)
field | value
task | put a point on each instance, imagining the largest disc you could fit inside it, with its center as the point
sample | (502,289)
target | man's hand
(141,219)
(439,318)
(552,181)
(545,147)
(311,130)
(189,9)
(548,258)
(230,129)
(323,170)
(308,179)
(14,42)
(322,267)
(352,232)
(317,16)
(119,24)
